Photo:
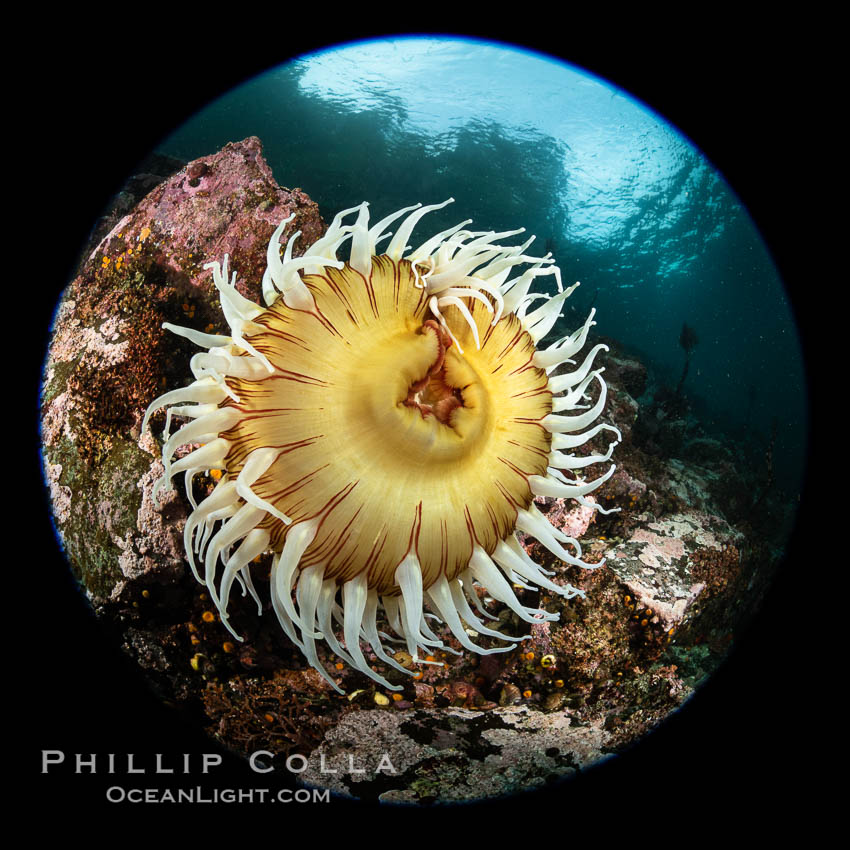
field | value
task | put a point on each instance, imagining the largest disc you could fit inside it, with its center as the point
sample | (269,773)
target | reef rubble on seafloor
(682,573)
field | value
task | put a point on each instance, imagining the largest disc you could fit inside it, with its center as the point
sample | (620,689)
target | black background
(98,97)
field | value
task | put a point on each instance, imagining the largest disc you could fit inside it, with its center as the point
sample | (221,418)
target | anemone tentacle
(383,426)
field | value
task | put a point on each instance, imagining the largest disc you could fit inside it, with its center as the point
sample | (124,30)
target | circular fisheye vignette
(452,339)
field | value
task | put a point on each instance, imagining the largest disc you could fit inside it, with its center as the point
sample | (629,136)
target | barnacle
(383,426)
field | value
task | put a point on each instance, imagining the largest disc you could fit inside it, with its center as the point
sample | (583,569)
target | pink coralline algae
(109,354)
(658,547)
(570,518)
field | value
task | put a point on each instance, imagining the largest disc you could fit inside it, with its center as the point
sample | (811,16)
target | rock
(658,566)
(109,356)
(152,171)
(624,371)
(453,755)
(707,451)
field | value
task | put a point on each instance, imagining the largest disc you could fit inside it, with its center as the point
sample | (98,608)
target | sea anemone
(383,426)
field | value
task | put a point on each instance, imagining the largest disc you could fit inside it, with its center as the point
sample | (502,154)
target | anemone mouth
(384,425)
(433,394)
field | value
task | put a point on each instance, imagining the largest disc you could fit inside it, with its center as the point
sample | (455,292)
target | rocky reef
(683,567)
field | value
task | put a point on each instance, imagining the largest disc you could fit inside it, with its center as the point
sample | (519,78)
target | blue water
(628,206)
